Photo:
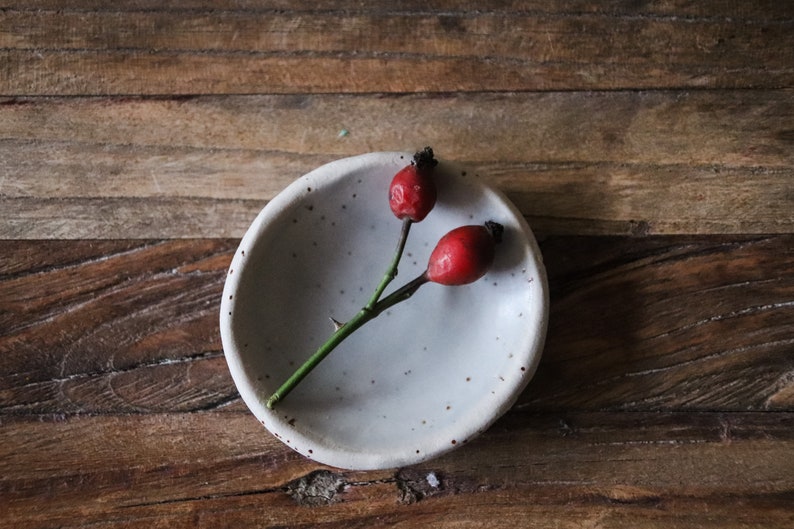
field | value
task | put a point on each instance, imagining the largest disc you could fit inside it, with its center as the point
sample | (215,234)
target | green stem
(369,311)
(401,294)
(391,272)
(362,317)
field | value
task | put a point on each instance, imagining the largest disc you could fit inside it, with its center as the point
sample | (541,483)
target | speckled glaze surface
(424,377)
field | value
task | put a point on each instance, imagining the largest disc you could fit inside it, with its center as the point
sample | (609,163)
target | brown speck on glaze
(231,271)
(449,408)
(291,422)
(311,451)
(308,189)
(230,297)
(454,442)
(242,253)
(468,379)
(523,368)
(502,378)
(417,451)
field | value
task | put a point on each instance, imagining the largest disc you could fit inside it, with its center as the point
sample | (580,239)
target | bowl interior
(423,377)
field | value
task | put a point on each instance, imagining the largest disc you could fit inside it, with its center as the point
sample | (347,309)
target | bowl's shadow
(595,336)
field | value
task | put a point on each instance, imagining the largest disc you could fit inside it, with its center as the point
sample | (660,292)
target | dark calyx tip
(496,230)
(424,160)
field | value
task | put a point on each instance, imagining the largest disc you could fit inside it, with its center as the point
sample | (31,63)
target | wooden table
(649,144)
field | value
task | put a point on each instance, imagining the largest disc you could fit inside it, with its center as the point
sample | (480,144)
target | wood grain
(259,49)
(668,323)
(573,470)
(648,162)
(766,10)
(91,330)
(135,330)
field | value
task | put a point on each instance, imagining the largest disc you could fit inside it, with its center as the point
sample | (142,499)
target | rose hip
(412,193)
(464,254)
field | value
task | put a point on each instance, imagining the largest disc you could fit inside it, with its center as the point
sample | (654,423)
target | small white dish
(422,378)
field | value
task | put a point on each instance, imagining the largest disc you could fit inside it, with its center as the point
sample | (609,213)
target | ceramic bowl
(424,377)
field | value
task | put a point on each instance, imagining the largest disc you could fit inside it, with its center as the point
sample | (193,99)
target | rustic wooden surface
(649,144)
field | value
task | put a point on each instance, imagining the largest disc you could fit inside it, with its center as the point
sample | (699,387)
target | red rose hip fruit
(464,254)
(412,193)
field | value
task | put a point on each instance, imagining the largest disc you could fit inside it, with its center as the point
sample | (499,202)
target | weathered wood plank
(574,163)
(104,218)
(206,51)
(122,315)
(573,470)
(742,128)
(668,324)
(671,323)
(708,9)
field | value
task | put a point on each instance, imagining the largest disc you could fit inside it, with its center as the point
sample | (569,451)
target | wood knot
(321,487)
